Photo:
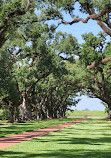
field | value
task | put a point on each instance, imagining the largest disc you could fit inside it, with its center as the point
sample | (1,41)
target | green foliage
(92,49)
(66,43)
(39,65)
(7,81)
(94,9)
(5,114)
(32,57)
(101,4)
(66,46)
(97,81)
(68,5)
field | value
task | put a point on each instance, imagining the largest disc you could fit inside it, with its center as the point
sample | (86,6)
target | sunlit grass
(30,126)
(88,139)
(86,113)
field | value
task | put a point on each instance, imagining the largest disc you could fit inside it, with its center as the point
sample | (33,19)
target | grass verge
(88,139)
(17,128)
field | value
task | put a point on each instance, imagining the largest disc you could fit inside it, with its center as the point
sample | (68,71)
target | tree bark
(25,110)
(14,114)
(109,111)
(103,61)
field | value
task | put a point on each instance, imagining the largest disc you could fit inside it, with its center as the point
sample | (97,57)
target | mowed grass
(86,113)
(16,128)
(88,139)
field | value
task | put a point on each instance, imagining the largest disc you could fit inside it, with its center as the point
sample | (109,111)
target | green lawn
(86,113)
(88,139)
(30,126)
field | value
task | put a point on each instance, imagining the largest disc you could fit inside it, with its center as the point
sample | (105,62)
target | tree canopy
(98,10)
(33,72)
(39,72)
(97,81)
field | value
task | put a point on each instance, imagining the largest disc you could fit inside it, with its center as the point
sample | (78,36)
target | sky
(77,29)
(86,103)
(80,28)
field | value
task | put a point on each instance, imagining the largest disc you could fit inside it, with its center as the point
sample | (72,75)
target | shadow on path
(12,140)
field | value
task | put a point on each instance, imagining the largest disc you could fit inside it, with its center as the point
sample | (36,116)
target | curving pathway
(15,139)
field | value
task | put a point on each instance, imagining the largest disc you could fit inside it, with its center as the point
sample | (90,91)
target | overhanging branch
(18,11)
(94,16)
(103,61)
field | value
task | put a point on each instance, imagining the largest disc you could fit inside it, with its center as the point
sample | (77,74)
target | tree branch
(93,16)
(16,53)
(104,27)
(103,61)
(19,12)
(40,77)
(28,5)
(14,58)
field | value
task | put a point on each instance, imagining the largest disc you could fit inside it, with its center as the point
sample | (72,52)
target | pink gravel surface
(15,139)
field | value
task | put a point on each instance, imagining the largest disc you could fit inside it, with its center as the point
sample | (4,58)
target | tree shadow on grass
(72,140)
(85,141)
(63,153)
(17,128)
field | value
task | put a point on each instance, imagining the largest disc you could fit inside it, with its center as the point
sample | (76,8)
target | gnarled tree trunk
(14,113)
(25,109)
